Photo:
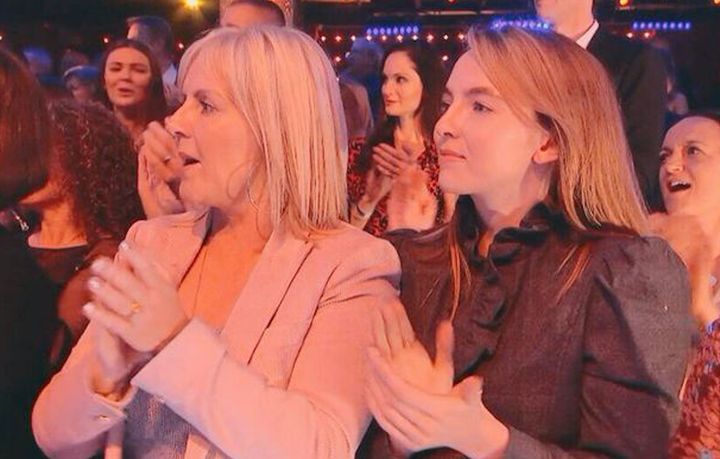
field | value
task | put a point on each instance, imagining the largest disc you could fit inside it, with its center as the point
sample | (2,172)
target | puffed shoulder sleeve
(636,343)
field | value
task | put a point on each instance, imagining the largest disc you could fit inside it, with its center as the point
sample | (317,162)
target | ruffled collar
(542,220)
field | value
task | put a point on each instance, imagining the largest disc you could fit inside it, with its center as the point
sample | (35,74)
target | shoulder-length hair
(24,129)
(429,68)
(96,169)
(284,85)
(569,94)
(155,105)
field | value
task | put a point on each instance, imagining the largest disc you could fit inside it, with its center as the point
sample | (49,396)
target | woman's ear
(547,152)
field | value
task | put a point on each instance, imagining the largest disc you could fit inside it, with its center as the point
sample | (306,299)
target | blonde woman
(236,331)
(540,322)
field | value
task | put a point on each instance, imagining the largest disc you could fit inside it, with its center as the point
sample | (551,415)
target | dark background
(84,25)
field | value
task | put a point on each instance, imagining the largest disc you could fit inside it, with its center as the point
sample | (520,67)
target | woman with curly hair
(86,207)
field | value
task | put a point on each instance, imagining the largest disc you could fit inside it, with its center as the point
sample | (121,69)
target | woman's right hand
(388,164)
(113,363)
(159,148)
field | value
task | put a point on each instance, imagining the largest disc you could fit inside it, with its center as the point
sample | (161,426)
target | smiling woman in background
(689,171)
(133,85)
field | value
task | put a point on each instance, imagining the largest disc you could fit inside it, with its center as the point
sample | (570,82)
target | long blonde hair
(283,84)
(572,98)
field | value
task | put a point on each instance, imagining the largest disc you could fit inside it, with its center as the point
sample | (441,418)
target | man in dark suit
(639,75)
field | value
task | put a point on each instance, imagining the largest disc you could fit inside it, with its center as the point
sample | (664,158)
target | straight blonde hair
(573,99)
(283,84)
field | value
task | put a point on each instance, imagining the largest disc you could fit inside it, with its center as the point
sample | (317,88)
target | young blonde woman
(540,322)
(239,329)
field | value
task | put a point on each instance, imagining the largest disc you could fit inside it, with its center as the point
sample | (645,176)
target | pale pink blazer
(284,378)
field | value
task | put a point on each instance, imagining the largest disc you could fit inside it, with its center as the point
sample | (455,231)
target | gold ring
(135,308)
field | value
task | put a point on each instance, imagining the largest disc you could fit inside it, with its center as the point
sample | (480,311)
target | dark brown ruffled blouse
(593,372)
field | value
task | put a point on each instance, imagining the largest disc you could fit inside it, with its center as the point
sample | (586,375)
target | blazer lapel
(279,262)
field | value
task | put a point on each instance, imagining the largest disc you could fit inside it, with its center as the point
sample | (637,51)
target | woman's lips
(450,155)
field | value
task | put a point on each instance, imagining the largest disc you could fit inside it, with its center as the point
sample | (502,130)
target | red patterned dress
(698,435)
(378,223)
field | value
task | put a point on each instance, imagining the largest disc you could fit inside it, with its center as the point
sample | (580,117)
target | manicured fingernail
(124,246)
(94,284)
(88,308)
(99,265)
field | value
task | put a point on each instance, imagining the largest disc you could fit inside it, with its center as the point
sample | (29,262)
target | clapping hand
(136,308)
(413,397)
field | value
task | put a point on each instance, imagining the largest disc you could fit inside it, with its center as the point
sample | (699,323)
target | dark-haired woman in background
(85,209)
(689,168)
(134,91)
(392,176)
(133,85)
(27,314)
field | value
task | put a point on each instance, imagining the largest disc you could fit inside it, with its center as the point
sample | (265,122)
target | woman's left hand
(414,400)
(135,301)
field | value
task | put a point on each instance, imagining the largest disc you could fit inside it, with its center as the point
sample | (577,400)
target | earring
(252,201)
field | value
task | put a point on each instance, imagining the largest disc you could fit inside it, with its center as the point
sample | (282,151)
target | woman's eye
(478,107)
(692,150)
(663,156)
(205,107)
(444,106)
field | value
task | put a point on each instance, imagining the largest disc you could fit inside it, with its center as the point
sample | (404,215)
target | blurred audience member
(638,72)
(133,86)
(83,82)
(243,13)
(358,116)
(690,167)
(364,67)
(27,312)
(72,58)
(86,207)
(156,33)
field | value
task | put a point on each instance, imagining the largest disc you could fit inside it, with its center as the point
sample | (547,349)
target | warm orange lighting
(399,38)
(1,37)
(323,38)
(353,37)
(338,59)
(338,38)
(461,36)
(415,38)
(192,4)
(106,40)
(623,2)
(383,38)
(445,58)
(630,35)
(430,37)
(368,37)
(646,35)
(181,45)
(446,37)
(716,2)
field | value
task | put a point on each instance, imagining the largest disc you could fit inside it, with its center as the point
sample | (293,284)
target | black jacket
(639,74)
(28,322)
